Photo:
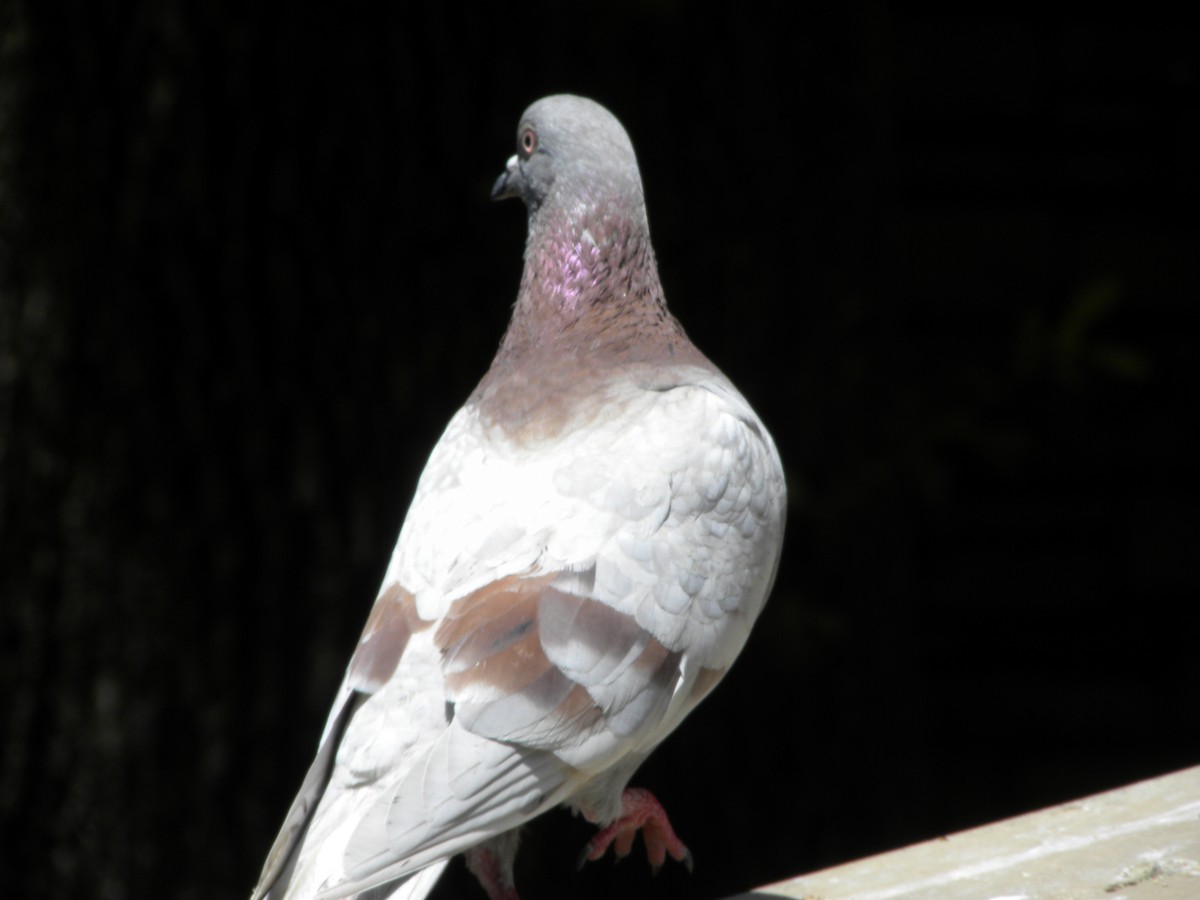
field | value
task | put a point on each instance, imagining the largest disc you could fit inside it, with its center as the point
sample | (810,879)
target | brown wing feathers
(392,622)
(530,663)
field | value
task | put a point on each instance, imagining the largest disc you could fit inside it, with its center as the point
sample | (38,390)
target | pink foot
(640,811)
(494,876)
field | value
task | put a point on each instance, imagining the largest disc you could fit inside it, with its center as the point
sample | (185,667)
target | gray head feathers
(571,150)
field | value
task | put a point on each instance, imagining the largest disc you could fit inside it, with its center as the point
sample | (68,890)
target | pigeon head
(571,151)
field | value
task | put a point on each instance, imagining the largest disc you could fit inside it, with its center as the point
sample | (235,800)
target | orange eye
(528,142)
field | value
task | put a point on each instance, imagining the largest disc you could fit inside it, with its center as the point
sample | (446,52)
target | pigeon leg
(494,876)
(640,811)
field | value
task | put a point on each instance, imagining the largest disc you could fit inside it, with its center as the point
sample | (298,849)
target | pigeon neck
(590,310)
(590,281)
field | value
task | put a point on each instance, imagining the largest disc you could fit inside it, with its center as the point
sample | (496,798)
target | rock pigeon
(588,547)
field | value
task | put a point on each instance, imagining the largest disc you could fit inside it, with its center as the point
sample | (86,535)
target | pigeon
(589,544)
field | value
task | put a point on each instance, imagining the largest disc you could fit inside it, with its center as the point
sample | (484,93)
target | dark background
(248,270)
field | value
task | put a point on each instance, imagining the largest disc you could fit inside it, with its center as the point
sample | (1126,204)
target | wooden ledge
(1140,842)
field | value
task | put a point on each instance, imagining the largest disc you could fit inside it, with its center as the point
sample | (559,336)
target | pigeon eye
(528,142)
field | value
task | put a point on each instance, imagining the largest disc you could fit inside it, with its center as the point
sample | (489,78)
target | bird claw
(640,811)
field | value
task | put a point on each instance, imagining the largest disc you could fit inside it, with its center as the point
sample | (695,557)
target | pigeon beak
(509,182)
